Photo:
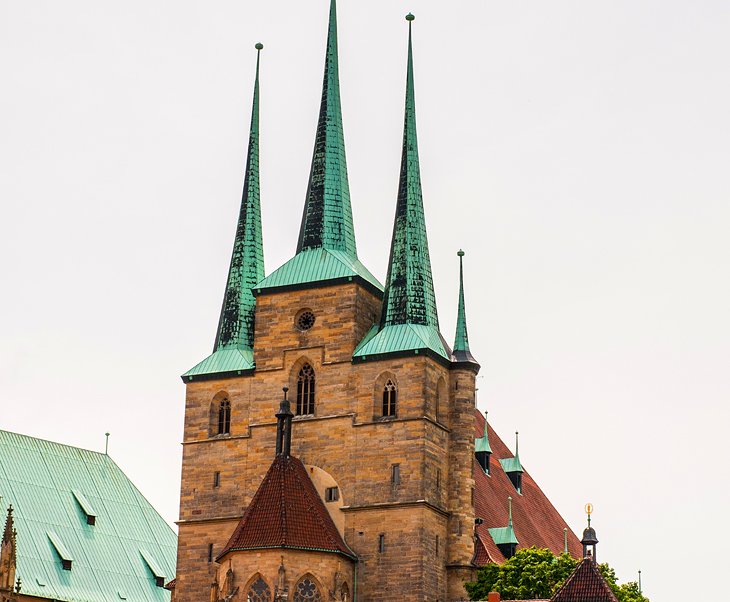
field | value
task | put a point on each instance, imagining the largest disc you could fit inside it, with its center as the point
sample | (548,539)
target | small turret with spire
(233,349)
(8,554)
(589,540)
(461,339)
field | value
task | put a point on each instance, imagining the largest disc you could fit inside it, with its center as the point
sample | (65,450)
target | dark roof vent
(154,568)
(86,507)
(61,550)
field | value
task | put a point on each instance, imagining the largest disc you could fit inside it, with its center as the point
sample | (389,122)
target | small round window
(304,320)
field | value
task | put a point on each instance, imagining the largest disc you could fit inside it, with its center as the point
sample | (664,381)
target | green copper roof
(327,218)
(461,340)
(228,361)
(401,338)
(52,488)
(513,464)
(482,443)
(318,265)
(409,321)
(234,340)
(505,535)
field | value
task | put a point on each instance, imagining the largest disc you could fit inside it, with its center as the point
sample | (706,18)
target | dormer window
(85,506)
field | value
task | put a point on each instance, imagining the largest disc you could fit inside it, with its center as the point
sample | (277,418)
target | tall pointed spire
(235,327)
(233,349)
(461,339)
(327,218)
(409,295)
(409,321)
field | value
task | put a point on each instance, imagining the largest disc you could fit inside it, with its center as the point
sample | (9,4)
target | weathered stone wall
(347,438)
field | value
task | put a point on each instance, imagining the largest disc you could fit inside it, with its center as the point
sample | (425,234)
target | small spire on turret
(461,339)
(283,426)
(589,540)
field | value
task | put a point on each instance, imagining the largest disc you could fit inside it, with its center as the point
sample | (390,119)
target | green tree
(537,573)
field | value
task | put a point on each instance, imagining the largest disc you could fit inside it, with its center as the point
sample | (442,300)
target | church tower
(374,441)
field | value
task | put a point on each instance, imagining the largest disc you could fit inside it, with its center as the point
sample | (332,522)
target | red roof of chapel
(586,584)
(287,512)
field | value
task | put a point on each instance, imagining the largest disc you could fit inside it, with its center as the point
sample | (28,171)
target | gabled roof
(42,480)
(536,522)
(585,584)
(287,512)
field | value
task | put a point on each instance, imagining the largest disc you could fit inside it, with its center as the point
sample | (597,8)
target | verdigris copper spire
(326,252)
(233,349)
(327,218)
(409,321)
(235,327)
(461,340)
(409,296)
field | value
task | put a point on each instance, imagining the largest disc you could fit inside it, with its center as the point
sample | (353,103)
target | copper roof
(586,584)
(287,512)
(536,521)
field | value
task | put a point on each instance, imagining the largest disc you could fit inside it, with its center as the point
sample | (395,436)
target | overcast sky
(578,152)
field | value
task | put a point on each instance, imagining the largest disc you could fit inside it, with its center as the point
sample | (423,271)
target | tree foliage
(534,573)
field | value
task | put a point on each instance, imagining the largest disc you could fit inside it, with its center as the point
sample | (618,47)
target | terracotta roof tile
(536,521)
(287,512)
(585,584)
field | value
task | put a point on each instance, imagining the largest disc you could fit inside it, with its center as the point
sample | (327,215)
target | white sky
(577,151)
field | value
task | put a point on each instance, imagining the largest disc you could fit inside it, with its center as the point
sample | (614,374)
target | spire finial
(106,444)
(486,413)
(283,426)
(509,503)
(565,540)
(236,324)
(327,218)
(517,443)
(410,17)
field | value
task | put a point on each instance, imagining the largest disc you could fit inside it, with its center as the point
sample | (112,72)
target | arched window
(390,398)
(258,591)
(307,591)
(305,391)
(224,417)
(344,593)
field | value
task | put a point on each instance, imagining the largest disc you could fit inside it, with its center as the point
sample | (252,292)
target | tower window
(216,479)
(437,545)
(224,417)
(390,398)
(395,475)
(305,391)
(210,552)
(331,494)
(381,543)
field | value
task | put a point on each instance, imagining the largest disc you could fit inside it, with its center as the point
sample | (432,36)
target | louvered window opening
(305,391)
(224,417)
(390,398)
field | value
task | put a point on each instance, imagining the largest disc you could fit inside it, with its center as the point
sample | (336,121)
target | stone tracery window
(390,398)
(305,391)
(258,591)
(307,591)
(224,417)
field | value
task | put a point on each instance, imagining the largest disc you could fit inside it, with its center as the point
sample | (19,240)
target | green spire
(233,349)
(409,322)
(327,218)
(409,296)
(461,340)
(505,535)
(235,328)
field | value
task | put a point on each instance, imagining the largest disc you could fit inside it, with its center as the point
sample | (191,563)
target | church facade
(332,449)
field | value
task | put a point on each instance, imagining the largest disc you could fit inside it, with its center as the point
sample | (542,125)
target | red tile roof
(536,521)
(287,512)
(586,584)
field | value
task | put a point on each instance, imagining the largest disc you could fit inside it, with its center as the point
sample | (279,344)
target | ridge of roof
(39,478)
(585,584)
(287,512)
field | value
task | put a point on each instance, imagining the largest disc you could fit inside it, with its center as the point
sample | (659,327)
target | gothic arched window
(307,591)
(305,391)
(224,417)
(390,398)
(258,591)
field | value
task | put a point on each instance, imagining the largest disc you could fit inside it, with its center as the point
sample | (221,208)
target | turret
(8,555)
(589,540)
(482,449)
(504,537)
(513,467)
(461,339)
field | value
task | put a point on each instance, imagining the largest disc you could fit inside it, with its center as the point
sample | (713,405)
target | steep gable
(586,584)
